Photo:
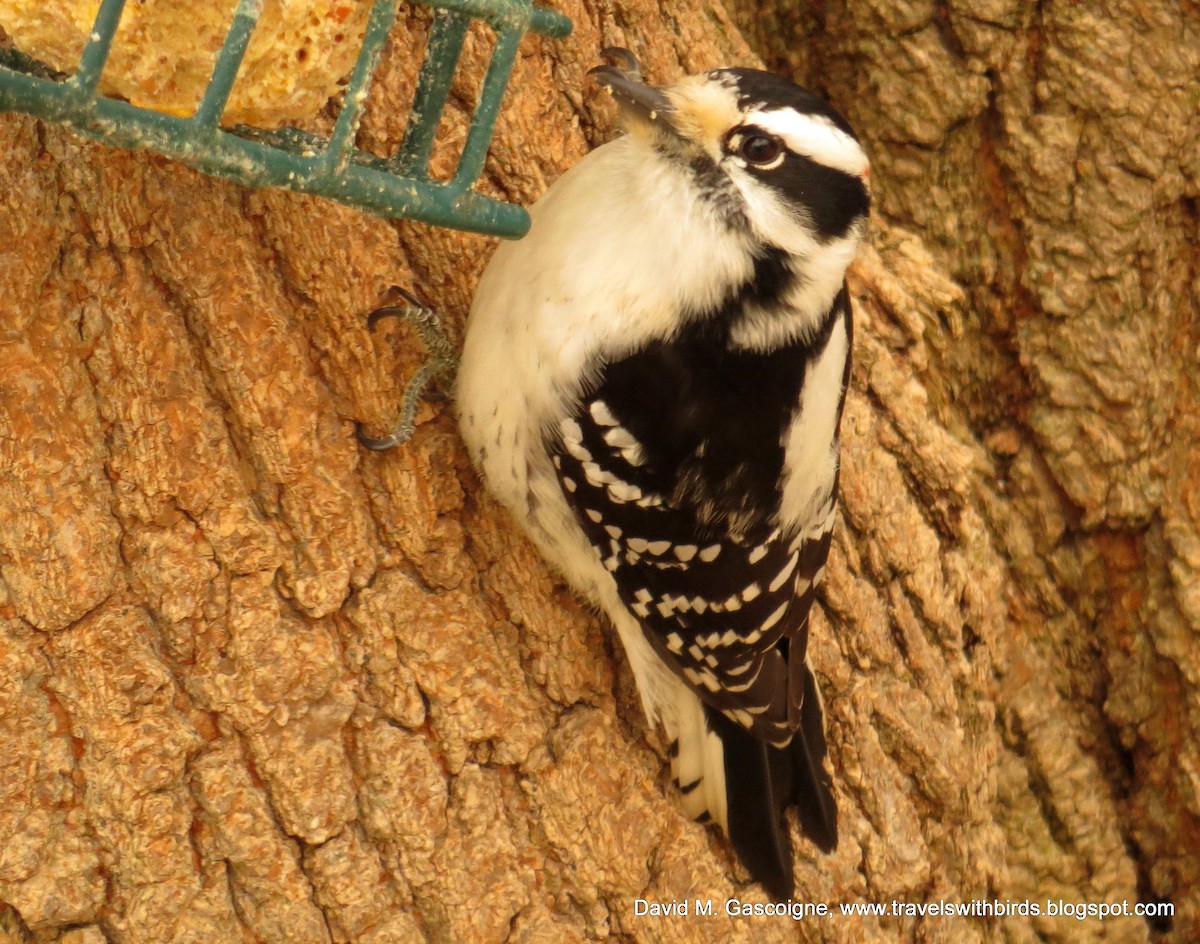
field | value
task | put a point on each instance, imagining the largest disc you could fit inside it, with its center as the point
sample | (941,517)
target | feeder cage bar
(397,186)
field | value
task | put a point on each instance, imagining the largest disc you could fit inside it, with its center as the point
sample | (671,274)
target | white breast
(618,246)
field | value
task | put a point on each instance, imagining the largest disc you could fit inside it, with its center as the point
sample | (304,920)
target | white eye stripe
(815,137)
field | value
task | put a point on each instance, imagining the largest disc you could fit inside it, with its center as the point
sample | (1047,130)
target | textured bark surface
(259,685)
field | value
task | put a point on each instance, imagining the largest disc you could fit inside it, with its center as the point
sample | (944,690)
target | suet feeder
(395,186)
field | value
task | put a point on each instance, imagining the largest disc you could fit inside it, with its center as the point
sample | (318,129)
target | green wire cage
(395,186)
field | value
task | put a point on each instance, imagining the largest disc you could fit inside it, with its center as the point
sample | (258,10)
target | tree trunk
(257,684)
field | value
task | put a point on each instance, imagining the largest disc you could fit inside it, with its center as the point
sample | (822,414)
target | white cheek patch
(815,137)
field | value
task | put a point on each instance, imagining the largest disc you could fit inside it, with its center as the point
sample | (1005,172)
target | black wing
(679,502)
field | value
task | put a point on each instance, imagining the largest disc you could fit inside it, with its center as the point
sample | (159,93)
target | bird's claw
(442,356)
(623,59)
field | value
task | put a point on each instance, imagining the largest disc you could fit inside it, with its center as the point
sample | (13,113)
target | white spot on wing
(757,663)
(620,438)
(685,552)
(623,491)
(572,432)
(595,475)
(602,414)
(775,617)
(577,451)
(783,575)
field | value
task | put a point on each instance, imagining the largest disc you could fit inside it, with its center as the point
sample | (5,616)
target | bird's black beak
(622,75)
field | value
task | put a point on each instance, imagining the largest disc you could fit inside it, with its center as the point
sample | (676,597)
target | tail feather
(758,789)
(698,766)
(812,788)
(746,785)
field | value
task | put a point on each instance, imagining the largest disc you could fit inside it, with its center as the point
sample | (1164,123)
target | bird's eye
(759,148)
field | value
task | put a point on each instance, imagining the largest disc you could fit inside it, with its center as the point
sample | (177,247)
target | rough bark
(259,685)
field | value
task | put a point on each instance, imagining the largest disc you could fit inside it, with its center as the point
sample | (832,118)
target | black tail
(812,786)
(761,782)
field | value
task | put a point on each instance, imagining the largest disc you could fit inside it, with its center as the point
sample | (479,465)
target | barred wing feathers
(724,600)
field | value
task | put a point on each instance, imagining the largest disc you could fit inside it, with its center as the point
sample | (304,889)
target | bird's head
(772,156)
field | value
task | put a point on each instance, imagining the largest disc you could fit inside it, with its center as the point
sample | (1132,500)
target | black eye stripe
(833,199)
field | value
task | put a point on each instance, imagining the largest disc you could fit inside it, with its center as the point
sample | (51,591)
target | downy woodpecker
(652,383)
